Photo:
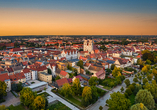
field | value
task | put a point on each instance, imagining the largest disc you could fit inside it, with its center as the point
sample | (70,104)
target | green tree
(2,107)
(57,77)
(137,88)
(132,87)
(80,64)
(94,94)
(76,86)
(27,96)
(39,103)
(145,97)
(49,71)
(151,88)
(138,106)
(3,88)
(122,89)
(86,95)
(118,101)
(145,81)
(153,82)
(100,108)
(149,77)
(145,69)
(128,91)
(148,62)
(116,72)
(112,66)
(19,87)
(111,84)
(154,71)
(66,90)
(127,82)
(93,81)
(135,79)
(118,80)
(140,77)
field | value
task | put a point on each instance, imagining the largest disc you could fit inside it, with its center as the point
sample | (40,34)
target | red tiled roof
(41,68)
(26,70)
(10,70)
(15,49)
(17,76)
(60,82)
(63,73)
(4,77)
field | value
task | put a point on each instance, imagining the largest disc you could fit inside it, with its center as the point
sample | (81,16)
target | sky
(78,17)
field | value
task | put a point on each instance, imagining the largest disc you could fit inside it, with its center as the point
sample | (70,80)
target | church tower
(88,45)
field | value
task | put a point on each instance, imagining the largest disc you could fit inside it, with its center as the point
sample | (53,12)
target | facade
(45,77)
(69,54)
(38,86)
(4,77)
(88,45)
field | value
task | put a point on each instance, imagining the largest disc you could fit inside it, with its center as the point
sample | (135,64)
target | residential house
(4,77)
(60,82)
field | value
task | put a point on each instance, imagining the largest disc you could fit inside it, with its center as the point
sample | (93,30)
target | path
(101,88)
(60,99)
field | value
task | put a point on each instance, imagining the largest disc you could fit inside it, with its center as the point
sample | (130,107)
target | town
(78,73)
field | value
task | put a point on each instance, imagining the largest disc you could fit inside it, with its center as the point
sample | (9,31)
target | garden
(58,106)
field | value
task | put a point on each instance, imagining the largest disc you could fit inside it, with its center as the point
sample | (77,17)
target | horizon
(102,17)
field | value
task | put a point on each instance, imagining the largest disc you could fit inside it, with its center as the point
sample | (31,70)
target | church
(88,45)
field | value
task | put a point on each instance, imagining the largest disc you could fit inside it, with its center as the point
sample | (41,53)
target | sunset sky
(78,17)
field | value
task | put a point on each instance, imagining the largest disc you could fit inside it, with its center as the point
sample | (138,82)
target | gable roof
(4,77)
(60,82)
(63,73)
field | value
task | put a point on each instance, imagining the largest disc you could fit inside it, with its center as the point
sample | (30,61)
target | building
(63,74)
(4,77)
(43,76)
(69,54)
(60,82)
(88,45)
(39,86)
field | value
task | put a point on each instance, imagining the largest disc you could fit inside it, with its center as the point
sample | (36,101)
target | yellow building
(43,76)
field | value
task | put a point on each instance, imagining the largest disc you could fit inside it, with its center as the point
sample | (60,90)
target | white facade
(69,54)
(28,76)
(8,83)
(34,75)
(88,45)
(127,53)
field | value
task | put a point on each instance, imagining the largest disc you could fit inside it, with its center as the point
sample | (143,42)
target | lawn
(74,100)
(59,106)
(18,107)
(108,88)
(132,99)
(45,94)
(101,92)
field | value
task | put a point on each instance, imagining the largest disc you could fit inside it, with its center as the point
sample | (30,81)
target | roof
(26,70)
(110,61)
(63,73)
(15,49)
(82,75)
(17,76)
(100,74)
(78,77)
(10,70)
(69,71)
(4,77)
(17,68)
(60,82)
(37,85)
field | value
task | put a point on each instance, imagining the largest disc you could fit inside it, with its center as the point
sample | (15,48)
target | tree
(94,94)
(111,84)
(145,97)
(145,80)
(76,86)
(112,66)
(93,81)
(148,62)
(80,64)
(135,79)
(2,107)
(3,88)
(118,101)
(140,77)
(153,82)
(132,87)
(127,82)
(100,108)
(149,77)
(57,78)
(86,95)
(128,91)
(145,69)
(49,71)
(122,89)
(151,88)
(138,106)
(108,71)
(66,90)
(118,80)
(19,87)
(27,96)
(116,72)
(154,71)
(39,103)
(137,88)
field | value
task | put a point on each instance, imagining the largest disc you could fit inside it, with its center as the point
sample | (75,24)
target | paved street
(60,99)
(11,99)
(102,101)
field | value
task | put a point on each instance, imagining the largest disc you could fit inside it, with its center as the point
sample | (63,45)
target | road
(102,101)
